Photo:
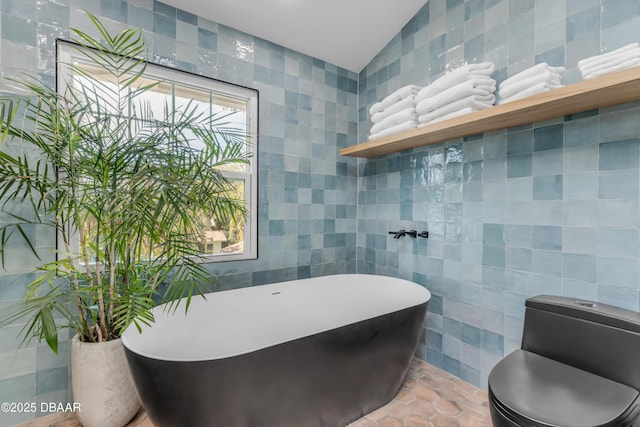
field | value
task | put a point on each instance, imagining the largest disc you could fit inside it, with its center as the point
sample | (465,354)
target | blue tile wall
(548,207)
(307,193)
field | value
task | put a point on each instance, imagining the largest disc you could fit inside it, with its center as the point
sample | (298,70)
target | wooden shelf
(604,91)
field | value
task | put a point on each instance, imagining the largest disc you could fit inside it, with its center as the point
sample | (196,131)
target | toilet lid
(550,393)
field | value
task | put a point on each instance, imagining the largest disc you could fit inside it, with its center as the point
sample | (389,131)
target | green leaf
(96,160)
(49,329)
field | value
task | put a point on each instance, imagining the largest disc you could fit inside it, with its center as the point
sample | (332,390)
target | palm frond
(134,187)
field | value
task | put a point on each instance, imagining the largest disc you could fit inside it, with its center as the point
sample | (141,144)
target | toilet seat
(527,389)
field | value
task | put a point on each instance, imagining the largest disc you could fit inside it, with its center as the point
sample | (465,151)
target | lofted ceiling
(346,33)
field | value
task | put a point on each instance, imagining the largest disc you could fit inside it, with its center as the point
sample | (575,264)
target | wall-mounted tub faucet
(411,233)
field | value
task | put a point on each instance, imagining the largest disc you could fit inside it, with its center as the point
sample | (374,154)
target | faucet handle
(398,234)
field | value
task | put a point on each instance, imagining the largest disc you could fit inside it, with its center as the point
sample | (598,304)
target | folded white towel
(535,70)
(457,76)
(477,86)
(596,60)
(615,60)
(408,102)
(623,66)
(533,90)
(396,96)
(411,124)
(470,101)
(458,113)
(512,89)
(395,119)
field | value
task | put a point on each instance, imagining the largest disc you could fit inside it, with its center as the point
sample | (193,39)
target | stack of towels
(537,79)
(464,90)
(620,59)
(395,113)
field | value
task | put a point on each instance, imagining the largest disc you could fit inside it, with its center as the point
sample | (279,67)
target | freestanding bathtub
(318,352)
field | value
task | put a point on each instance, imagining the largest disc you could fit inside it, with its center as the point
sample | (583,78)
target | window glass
(235,111)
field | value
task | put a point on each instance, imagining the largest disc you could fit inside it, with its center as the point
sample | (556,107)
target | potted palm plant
(127,196)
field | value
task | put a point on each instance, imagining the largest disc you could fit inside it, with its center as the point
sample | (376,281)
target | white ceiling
(346,33)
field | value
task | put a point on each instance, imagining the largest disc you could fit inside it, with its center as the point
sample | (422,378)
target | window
(219,240)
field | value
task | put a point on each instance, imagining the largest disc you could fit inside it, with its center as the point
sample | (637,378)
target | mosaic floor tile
(431,397)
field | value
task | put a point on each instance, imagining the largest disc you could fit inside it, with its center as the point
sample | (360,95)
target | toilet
(578,366)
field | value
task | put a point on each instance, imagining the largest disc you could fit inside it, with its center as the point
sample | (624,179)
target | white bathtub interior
(239,321)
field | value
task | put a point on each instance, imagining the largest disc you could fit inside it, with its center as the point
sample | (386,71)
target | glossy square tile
(618,242)
(580,186)
(619,272)
(581,159)
(621,34)
(579,267)
(519,259)
(548,162)
(164,9)
(114,9)
(582,22)
(55,14)
(549,11)
(520,142)
(519,166)
(492,343)
(471,335)
(187,17)
(578,289)
(494,234)
(620,297)
(17,363)
(50,380)
(519,189)
(551,56)
(207,39)
(546,262)
(19,30)
(618,213)
(579,240)
(547,187)
(619,154)
(17,389)
(617,126)
(24,9)
(547,238)
(618,184)
(548,137)
(584,131)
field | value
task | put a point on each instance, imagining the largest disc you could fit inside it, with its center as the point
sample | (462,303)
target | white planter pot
(102,384)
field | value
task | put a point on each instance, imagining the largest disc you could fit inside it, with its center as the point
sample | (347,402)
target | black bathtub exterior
(324,380)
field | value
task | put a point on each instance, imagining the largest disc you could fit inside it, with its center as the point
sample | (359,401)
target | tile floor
(429,397)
